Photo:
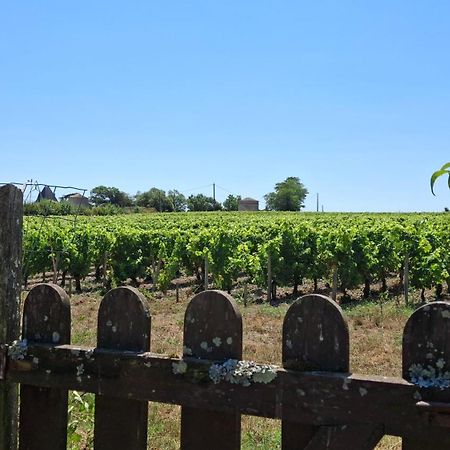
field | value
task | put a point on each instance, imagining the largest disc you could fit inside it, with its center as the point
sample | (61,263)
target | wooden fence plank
(315,337)
(124,323)
(426,362)
(11,212)
(43,411)
(212,330)
(357,437)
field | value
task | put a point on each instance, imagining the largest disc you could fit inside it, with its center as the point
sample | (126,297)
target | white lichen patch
(301,392)
(89,353)
(178,368)
(217,341)
(45,318)
(109,323)
(18,350)
(417,396)
(229,340)
(445,314)
(148,364)
(362,392)
(204,345)
(242,372)
(80,370)
(345,384)
(288,343)
(187,351)
(114,329)
(55,337)
(190,319)
(430,377)
(35,361)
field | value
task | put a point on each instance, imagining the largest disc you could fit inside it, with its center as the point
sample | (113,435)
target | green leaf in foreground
(445,169)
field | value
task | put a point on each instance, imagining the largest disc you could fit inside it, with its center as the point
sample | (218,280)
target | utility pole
(214,191)
(317,203)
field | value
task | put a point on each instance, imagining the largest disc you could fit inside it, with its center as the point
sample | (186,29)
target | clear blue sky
(351,97)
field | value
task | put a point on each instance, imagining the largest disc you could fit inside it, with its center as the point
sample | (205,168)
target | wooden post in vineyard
(335,283)
(269,279)
(11,217)
(206,274)
(406,279)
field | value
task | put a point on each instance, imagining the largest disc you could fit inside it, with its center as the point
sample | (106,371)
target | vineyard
(353,249)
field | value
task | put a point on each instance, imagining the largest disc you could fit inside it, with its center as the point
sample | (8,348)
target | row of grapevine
(360,248)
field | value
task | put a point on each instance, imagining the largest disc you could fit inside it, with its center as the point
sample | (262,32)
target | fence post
(315,337)
(206,274)
(335,283)
(124,323)
(426,361)
(43,411)
(212,330)
(406,279)
(269,278)
(11,216)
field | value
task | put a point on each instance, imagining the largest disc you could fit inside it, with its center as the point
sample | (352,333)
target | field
(362,256)
(349,250)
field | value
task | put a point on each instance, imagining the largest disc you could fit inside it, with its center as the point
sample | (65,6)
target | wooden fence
(320,404)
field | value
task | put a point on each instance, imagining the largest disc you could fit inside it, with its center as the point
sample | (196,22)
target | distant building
(76,199)
(46,194)
(248,204)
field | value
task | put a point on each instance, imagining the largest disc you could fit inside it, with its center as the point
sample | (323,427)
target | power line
(54,186)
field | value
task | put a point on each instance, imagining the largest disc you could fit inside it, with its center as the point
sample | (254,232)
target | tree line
(288,195)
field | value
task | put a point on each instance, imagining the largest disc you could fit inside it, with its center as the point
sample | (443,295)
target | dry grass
(375,333)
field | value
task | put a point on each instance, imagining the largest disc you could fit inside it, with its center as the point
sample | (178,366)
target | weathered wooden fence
(320,404)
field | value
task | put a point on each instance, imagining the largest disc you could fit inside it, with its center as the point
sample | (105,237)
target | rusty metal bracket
(3,360)
(437,413)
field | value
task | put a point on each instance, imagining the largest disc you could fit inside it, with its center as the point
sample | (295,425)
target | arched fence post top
(48,290)
(124,320)
(126,293)
(426,345)
(224,339)
(317,302)
(46,315)
(315,335)
(214,295)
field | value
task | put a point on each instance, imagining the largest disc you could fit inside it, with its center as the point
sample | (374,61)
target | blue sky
(351,97)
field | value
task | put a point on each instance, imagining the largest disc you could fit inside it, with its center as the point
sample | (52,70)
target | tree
(444,170)
(289,195)
(201,202)
(103,195)
(231,203)
(178,200)
(154,198)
